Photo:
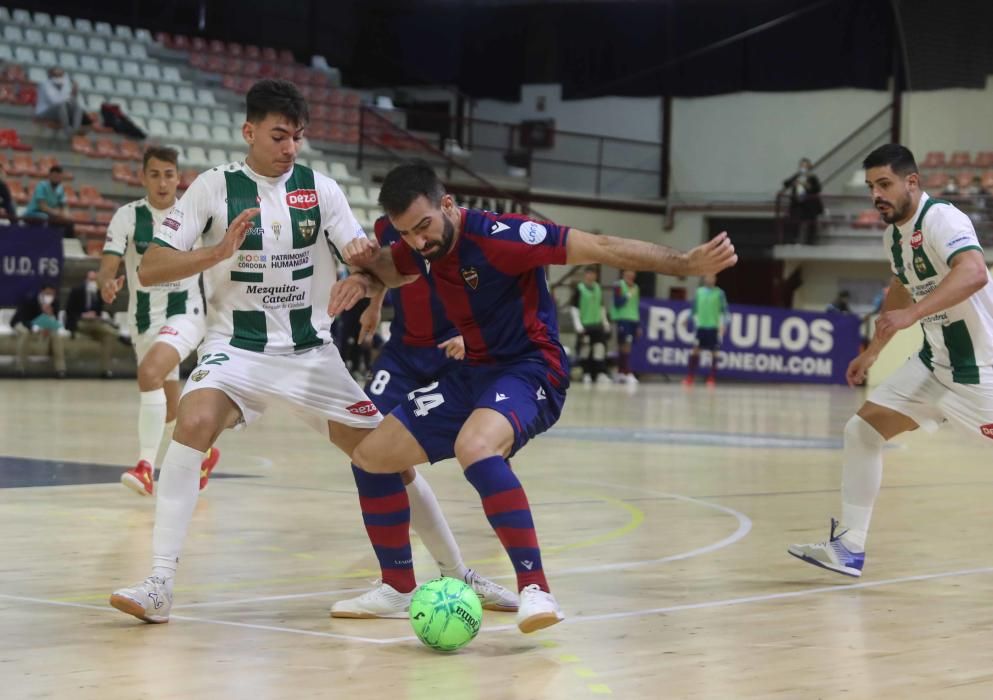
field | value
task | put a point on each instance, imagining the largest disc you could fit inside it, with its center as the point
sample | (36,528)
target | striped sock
(506,507)
(386,513)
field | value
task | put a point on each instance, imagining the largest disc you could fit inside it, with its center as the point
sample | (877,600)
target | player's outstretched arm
(584,248)
(107,280)
(162,264)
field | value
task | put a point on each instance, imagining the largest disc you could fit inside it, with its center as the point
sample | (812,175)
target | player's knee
(469,449)
(149,377)
(860,433)
(196,427)
(367,457)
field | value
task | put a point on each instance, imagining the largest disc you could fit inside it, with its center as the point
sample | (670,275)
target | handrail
(848,139)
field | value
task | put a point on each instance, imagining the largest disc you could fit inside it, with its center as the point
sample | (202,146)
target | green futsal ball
(445,614)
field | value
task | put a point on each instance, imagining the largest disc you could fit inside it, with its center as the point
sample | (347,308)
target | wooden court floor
(664,518)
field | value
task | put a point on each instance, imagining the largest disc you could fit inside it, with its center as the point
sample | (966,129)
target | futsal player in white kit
(271,231)
(166,320)
(940,280)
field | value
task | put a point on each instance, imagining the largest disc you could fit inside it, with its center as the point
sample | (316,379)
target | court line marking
(204,620)
(728,602)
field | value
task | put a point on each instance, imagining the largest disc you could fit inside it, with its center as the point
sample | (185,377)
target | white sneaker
(603,380)
(833,554)
(149,600)
(382,601)
(538,610)
(631,379)
(492,595)
(587,380)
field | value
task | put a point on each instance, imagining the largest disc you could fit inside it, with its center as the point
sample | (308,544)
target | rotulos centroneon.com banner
(760,343)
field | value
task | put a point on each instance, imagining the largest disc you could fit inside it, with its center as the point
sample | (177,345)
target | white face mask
(91,286)
(47,299)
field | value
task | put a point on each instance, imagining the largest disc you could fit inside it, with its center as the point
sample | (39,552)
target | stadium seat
(171,74)
(167,93)
(9,138)
(77,43)
(63,22)
(197,156)
(934,159)
(187,95)
(34,36)
(217,156)
(17,192)
(182,112)
(42,19)
(90,64)
(137,51)
(104,84)
(964,178)
(123,32)
(47,58)
(151,71)
(130,150)
(24,55)
(179,131)
(961,159)
(200,132)
(72,198)
(55,40)
(4,14)
(105,148)
(70,62)
(125,87)
(131,69)
(98,46)
(157,128)
(103,28)
(82,145)
(988,180)
(84,25)
(340,172)
(110,66)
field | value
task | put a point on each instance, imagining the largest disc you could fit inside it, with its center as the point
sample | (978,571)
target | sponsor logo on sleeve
(363,408)
(954,243)
(170,222)
(532,233)
(168,330)
(301,199)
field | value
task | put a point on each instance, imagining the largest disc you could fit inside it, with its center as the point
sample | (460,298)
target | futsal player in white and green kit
(940,280)
(166,321)
(271,230)
(710,317)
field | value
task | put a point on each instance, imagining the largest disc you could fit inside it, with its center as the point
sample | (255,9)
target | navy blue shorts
(706,338)
(626,332)
(400,369)
(524,394)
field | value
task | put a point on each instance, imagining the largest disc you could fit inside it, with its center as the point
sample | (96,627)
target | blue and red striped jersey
(492,285)
(418,315)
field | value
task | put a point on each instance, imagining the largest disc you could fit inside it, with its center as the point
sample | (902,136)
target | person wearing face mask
(804,190)
(39,314)
(85,315)
(58,100)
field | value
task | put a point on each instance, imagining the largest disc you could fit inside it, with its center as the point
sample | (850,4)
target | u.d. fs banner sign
(760,343)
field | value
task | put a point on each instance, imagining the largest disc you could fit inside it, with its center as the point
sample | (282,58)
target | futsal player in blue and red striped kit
(422,348)
(488,272)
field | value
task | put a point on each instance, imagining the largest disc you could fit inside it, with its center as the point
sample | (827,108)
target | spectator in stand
(58,100)
(951,188)
(85,315)
(48,202)
(7,210)
(39,314)
(804,189)
(840,304)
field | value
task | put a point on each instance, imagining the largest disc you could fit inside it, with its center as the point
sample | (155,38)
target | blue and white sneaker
(833,554)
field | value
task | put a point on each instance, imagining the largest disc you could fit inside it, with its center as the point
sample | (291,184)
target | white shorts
(183,333)
(915,391)
(314,383)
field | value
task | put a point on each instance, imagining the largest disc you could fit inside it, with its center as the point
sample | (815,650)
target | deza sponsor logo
(363,408)
(301,199)
(747,331)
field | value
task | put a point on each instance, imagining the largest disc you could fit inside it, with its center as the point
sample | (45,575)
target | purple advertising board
(760,343)
(30,256)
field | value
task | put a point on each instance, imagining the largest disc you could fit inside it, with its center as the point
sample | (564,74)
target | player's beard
(442,248)
(899,210)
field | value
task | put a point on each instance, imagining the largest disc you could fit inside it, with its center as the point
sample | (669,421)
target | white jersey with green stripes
(272,295)
(131,230)
(958,342)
